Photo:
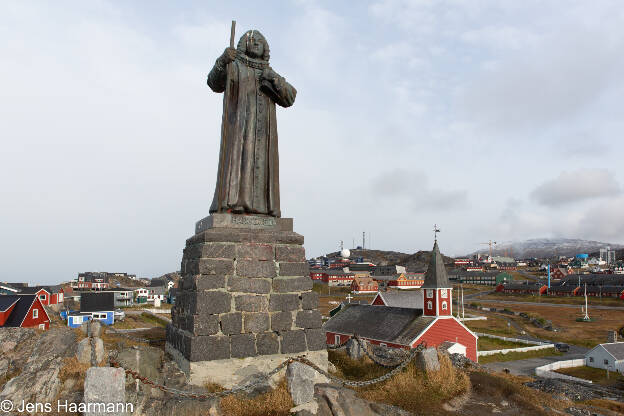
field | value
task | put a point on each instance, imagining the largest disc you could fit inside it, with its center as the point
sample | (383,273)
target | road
(555,305)
(527,367)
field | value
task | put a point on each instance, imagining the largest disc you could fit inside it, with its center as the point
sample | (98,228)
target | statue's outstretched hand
(269,74)
(229,54)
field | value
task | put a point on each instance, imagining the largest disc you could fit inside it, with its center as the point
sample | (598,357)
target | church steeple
(437,292)
(436,276)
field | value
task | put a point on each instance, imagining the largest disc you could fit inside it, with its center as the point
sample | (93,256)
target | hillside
(414,262)
(547,247)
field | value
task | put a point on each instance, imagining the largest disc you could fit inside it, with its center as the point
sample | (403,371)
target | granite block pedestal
(245,302)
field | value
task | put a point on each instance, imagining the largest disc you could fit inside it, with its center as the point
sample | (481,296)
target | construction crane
(489,243)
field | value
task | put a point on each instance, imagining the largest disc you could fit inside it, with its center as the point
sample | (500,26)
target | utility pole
(586,317)
(463,315)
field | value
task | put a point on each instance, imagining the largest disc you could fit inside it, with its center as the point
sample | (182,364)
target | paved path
(527,367)
(553,305)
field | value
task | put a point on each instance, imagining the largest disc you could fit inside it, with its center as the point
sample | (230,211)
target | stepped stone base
(245,292)
(229,373)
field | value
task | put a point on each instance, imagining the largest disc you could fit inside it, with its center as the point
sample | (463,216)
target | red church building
(406,328)
(23,311)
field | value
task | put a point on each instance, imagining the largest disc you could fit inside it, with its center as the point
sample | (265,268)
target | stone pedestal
(245,294)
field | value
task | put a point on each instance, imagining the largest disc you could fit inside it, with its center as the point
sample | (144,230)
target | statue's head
(254,45)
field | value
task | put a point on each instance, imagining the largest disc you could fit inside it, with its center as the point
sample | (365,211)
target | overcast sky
(494,119)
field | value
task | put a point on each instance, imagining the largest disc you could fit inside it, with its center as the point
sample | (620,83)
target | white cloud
(110,134)
(574,186)
(402,186)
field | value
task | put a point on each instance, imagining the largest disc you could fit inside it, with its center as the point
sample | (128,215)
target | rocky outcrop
(427,360)
(300,381)
(85,350)
(354,350)
(34,361)
(331,400)
(105,385)
(96,328)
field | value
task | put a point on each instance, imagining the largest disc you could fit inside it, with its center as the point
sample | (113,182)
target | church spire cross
(436,230)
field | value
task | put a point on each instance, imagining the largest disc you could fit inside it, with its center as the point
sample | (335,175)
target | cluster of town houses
(395,318)
(22,305)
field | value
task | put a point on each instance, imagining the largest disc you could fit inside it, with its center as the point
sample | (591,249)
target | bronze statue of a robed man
(248,176)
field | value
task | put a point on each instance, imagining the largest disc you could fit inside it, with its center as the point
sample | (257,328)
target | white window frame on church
(444,306)
(429,293)
(429,305)
(443,293)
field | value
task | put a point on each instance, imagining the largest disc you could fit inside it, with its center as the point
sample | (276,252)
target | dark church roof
(393,325)
(436,272)
(24,302)
(411,299)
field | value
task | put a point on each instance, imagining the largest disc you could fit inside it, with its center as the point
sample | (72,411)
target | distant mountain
(547,247)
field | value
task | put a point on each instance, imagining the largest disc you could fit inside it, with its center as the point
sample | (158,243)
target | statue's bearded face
(255,47)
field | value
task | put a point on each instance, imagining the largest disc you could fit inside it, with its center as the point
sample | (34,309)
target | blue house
(75,319)
(94,305)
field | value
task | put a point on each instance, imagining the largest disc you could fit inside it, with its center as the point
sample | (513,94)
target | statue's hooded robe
(248,176)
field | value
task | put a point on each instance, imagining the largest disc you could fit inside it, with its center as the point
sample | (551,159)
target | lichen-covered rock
(105,385)
(96,328)
(84,350)
(147,361)
(427,360)
(332,400)
(36,360)
(354,350)
(300,379)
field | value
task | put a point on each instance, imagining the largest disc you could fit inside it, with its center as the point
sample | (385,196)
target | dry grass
(277,402)
(154,320)
(411,389)
(72,368)
(607,404)
(573,300)
(597,375)
(493,325)
(213,387)
(513,356)
(497,387)
(586,334)
(487,344)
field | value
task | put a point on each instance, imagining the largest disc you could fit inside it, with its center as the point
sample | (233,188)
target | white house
(607,356)
(453,348)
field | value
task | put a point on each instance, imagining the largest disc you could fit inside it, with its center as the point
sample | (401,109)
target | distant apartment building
(92,280)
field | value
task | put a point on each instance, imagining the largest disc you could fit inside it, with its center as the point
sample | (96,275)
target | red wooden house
(603,291)
(364,285)
(23,311)
(318,275)
(530,288)
(48,295)
(338,278)
(559,273)
(564,290)
(407,327)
